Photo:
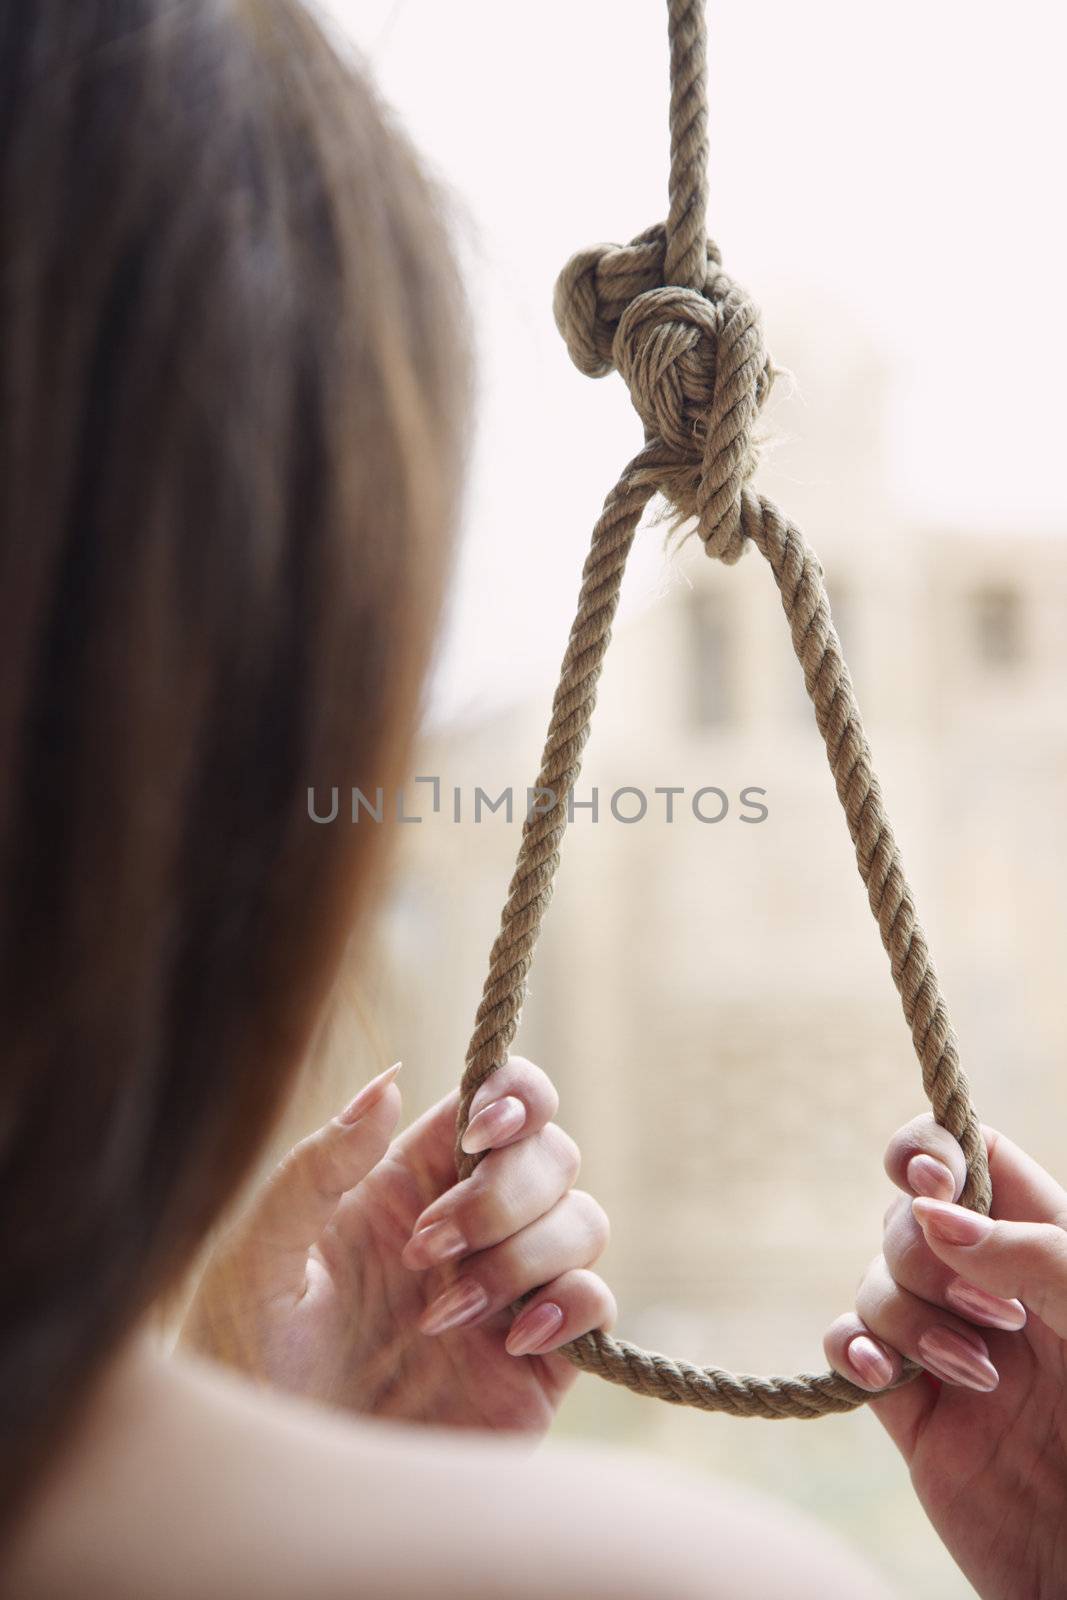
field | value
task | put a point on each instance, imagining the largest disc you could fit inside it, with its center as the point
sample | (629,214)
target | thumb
(305,1189)
(1024,1261)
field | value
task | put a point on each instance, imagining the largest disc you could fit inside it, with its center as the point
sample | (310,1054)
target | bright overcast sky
(904,163)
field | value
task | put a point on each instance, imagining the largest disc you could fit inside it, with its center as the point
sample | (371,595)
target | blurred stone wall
(713,999)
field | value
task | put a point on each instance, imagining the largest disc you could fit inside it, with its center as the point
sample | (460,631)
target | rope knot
(694,363)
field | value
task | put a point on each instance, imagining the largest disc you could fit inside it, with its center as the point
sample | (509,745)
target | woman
(233,405)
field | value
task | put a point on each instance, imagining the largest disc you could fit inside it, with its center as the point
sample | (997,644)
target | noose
(687,340)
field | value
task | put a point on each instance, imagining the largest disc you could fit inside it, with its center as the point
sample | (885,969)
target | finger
(574,1303)
(924,1158)
(426,1149)
(506,1192)
(915,1267)
(946,1345)
(303,1192)
(513,1102)
(1025,1261)
(573,1234)
(855,1352)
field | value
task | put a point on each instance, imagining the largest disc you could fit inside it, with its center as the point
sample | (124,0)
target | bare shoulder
(189,1482)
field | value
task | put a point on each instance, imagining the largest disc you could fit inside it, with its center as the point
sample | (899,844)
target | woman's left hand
(981,1304)
(365,1276)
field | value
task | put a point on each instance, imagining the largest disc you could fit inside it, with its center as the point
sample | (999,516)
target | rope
(688,343)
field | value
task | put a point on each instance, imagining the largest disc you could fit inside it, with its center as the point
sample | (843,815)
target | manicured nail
(455,1308)
(951,1224)
(929,1177)
(496,1122)
(534,1328)
(432,1246)
(870,1361)
(948,1355)
(990,1309)
(369,1095)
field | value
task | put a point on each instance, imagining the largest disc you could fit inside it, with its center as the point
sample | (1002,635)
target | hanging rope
(688,343)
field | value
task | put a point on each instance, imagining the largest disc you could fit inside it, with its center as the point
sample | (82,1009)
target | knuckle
(923,1135)
(1055,1242)
(838,1334)
(309,1164)
(594,1218)
(876,1290)
(603,1308)
(904,1138)
(899,1217)
(565,1152)
(875,1296)
(873,1268)
(905,1251)
(842,1326)
(534,1084)
(584,1292)
(522,1067)
(1045,1268)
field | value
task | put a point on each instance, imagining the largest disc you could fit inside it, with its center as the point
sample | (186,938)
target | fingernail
(1010,1315)
(496,1122)
(950,1356)
(432,1246)
(870,1361)
(927,1176)
(456,1307)
(369,1094)
(951,1224)
(533,1328)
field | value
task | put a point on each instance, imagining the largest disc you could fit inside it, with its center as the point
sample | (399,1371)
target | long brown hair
(233,391)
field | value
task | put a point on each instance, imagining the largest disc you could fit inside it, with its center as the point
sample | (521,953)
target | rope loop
(695,365)
(687,340)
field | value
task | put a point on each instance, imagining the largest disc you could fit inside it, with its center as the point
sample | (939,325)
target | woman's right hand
(981,1304)
(364,1275)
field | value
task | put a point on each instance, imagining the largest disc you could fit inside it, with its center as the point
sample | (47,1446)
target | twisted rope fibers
(688,343)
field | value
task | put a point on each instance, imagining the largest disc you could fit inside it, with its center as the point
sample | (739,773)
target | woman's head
(232,402)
